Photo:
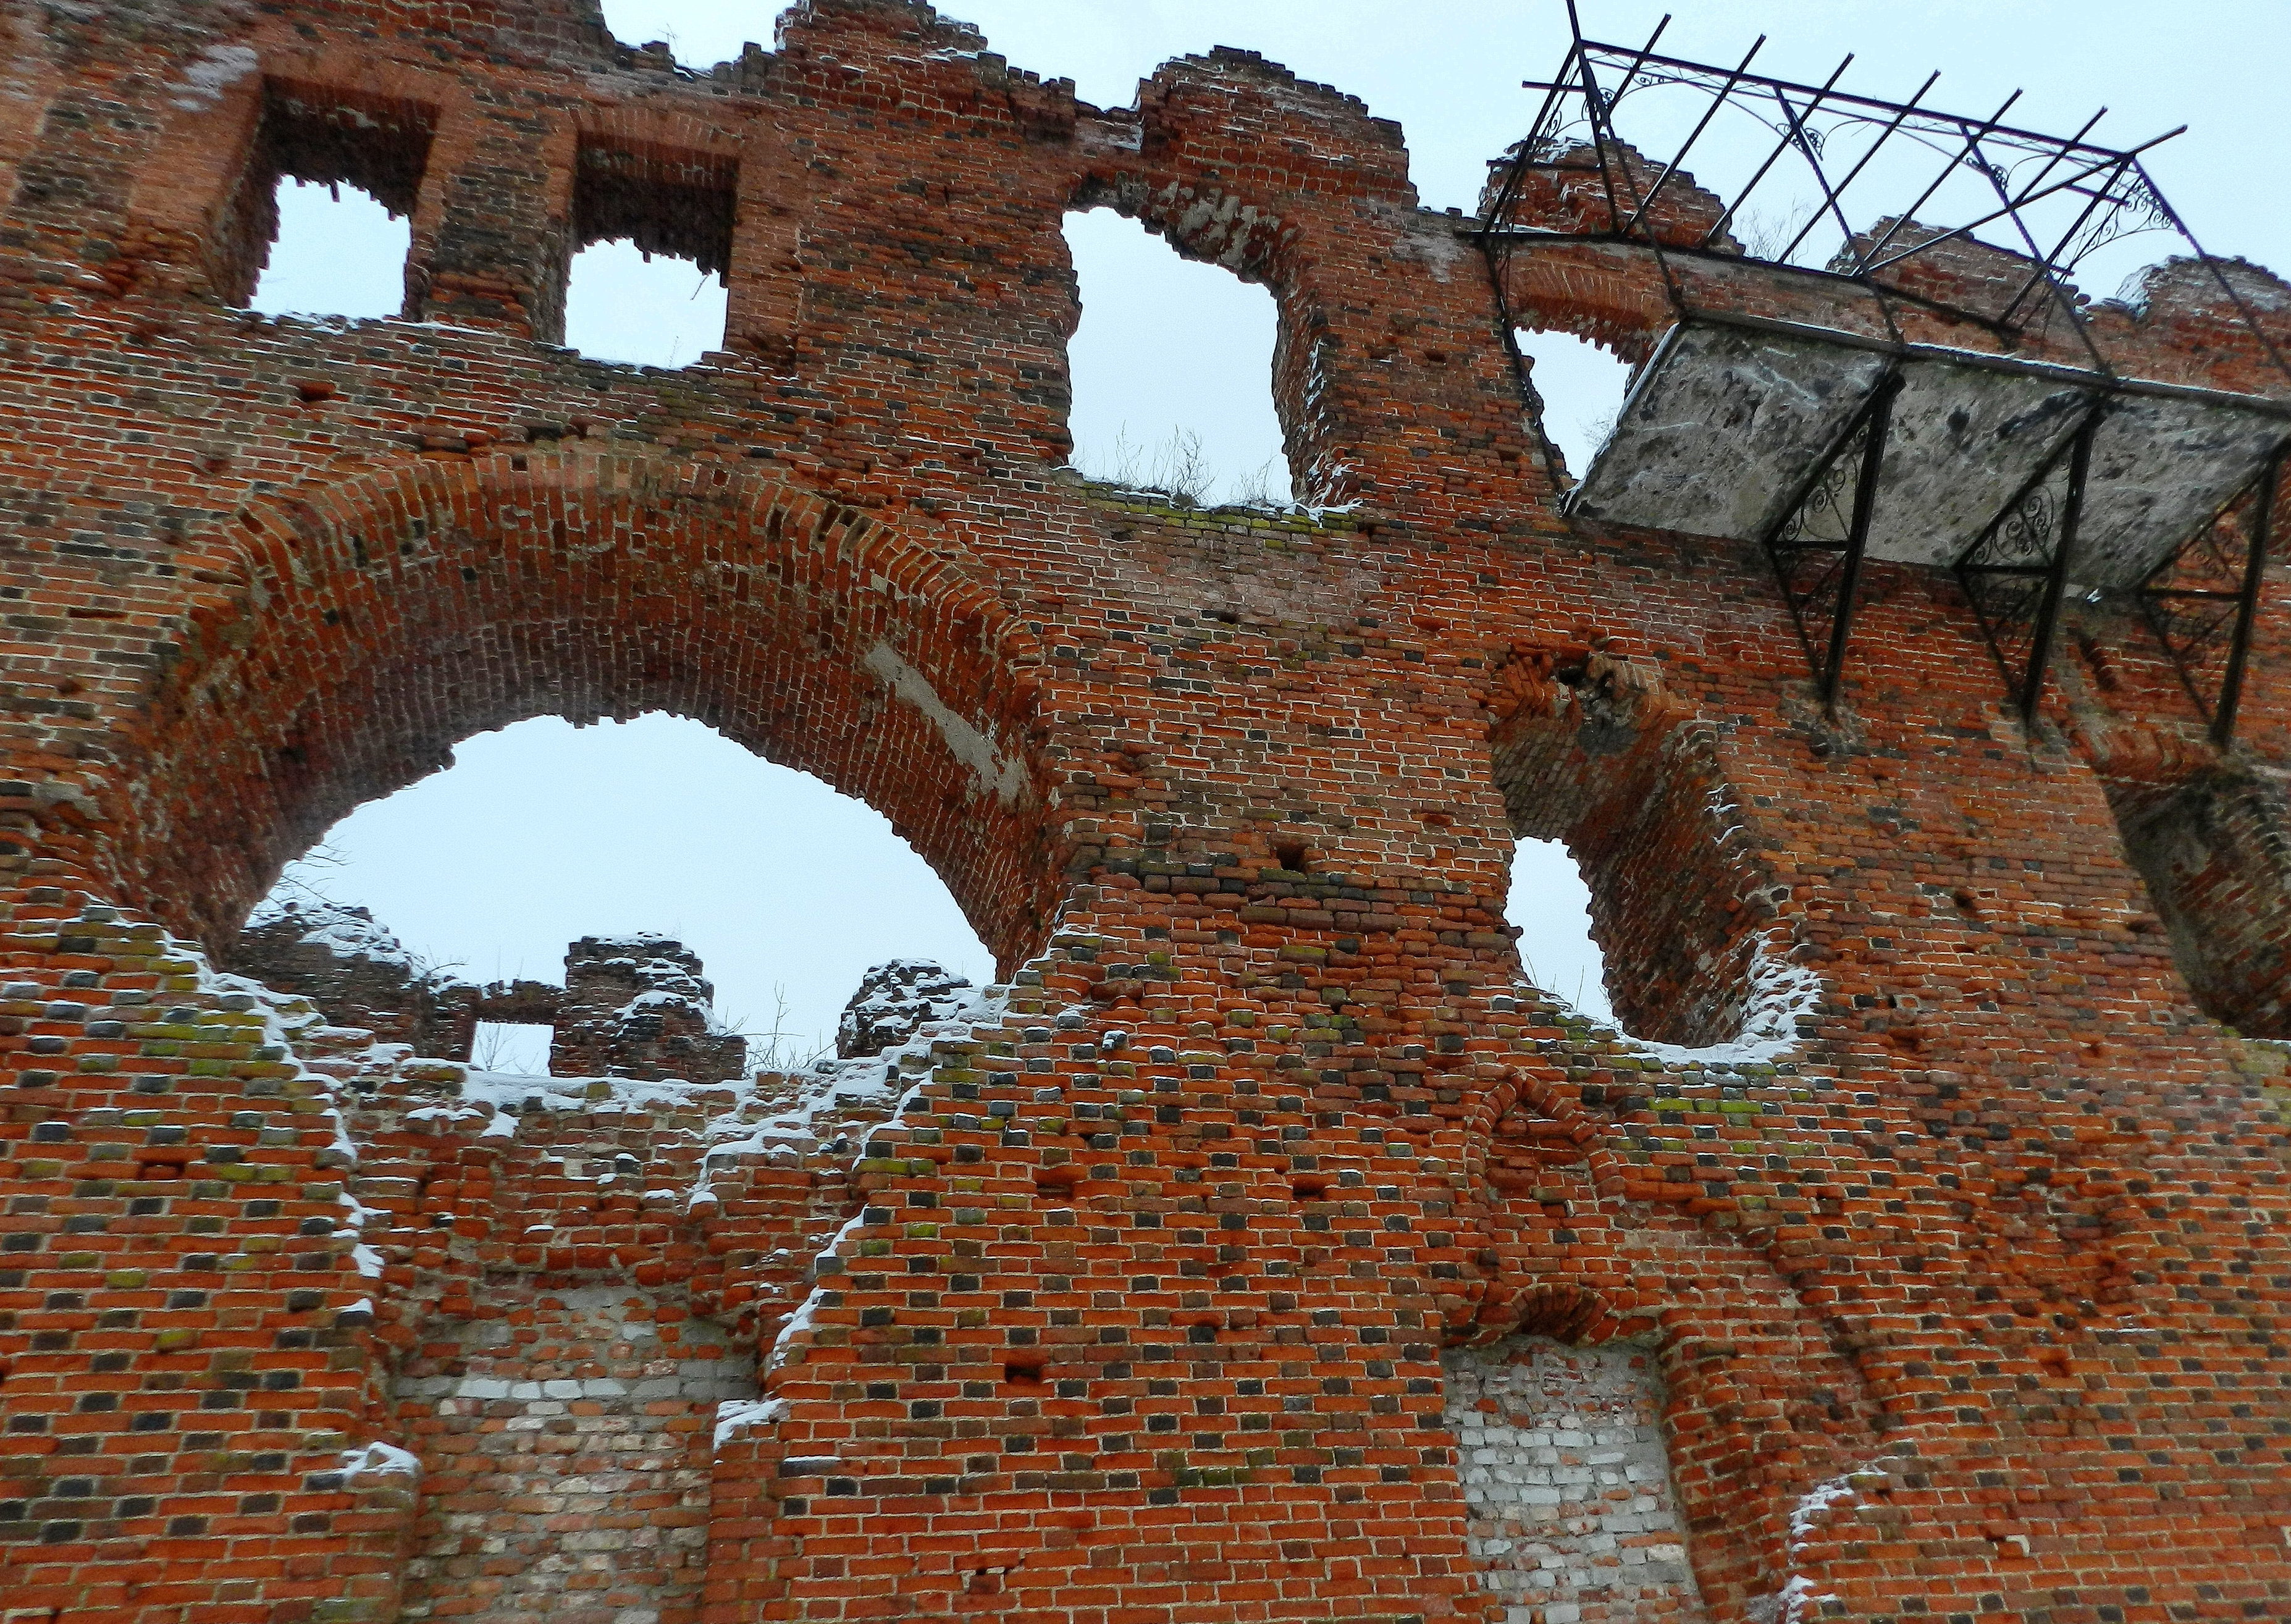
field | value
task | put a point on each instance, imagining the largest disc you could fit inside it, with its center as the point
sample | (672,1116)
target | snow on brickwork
(1124,1293)
(893,1002)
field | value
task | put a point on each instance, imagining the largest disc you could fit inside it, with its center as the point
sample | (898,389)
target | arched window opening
(1172,370)
(1582,386)
(320,224)
(1603,775)
(665,856)
(653,231)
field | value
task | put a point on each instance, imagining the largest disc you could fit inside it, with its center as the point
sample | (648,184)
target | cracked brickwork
(1126,1297)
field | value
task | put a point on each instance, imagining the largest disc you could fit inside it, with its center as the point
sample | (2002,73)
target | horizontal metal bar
(1959,121)
(2099,384)
(2014,205)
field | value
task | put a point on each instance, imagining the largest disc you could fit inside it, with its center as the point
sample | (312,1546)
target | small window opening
(653,227)
(1172,371)
(321,222)
(1552,907)
(514,1047)
(1582,387)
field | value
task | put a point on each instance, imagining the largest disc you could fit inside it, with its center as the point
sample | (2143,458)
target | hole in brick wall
(541,833)
(2212,851)
(338,252)
(1172,370)
(652,227)
(1617,804)
(319,223)
(1582,386)
(514,1046)
(1551,904)
(1020,1373)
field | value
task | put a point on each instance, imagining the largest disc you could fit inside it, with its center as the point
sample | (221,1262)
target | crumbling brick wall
(1128,1292)
(638,1007)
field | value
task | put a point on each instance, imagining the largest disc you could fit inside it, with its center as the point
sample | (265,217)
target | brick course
(1126,1296)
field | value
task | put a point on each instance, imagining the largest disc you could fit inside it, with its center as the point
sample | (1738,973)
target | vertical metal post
(2056,576)
(2247,609)
(1857,537)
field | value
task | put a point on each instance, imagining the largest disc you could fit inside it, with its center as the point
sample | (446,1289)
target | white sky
(541,833)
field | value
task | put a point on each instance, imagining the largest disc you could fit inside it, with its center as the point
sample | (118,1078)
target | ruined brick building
(1264,1248)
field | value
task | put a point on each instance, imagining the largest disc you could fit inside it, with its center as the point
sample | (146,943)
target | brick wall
(1129,1293)
(1562,1455)
(564,1437)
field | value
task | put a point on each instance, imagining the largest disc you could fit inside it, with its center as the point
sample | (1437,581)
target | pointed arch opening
(1599,768)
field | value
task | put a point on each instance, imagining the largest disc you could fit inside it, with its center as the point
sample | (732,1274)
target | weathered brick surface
(1569,1485)
(1126,1299)
(637,1007)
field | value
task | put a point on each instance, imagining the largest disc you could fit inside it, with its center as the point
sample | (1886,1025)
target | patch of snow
(378,1459)
(1794,1603)
(804,1316)
(734,1416)
(1780,994)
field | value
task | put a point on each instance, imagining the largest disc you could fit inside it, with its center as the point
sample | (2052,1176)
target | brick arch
(646,127)
(379,623)
(1592,293)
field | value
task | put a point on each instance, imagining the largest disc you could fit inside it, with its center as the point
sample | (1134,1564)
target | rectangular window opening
(653,231)
(513,1047)
(320,224)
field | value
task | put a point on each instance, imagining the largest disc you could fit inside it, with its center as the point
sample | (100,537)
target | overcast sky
(543,832)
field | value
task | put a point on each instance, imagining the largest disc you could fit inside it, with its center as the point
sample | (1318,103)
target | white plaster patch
(210,73)
(994,772)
